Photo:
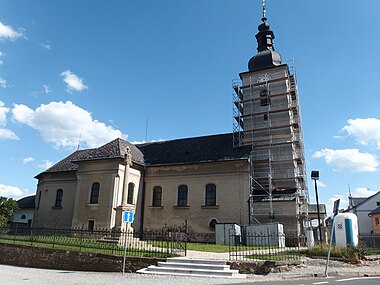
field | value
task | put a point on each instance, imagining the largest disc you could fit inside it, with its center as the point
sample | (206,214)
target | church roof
(26,202)
(359,205)
(376,211)
(193,150)
(180,151)
(113,149)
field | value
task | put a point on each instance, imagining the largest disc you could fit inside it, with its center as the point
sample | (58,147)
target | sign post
(128,217)
(336,211)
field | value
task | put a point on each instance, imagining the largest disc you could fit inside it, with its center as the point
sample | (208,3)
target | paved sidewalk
(309,267)
(193,254)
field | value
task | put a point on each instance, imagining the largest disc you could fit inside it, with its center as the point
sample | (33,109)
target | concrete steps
(193,267)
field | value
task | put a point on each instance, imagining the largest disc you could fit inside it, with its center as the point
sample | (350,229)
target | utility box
(271,235)
(345,230)
(228,234)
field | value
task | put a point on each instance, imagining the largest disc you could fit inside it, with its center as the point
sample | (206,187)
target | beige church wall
(230,178)
(110,175)
(89,172)
(45,213)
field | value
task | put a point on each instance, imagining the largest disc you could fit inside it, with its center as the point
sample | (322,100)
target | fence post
(81,238)
(269,243)
(54,235)
(125,249)
(14,236)
(31,238)
(113,240)
(186,236)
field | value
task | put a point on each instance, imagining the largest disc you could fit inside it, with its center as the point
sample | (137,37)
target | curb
(333,274)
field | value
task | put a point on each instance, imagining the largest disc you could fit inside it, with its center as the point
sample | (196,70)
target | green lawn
(207,247)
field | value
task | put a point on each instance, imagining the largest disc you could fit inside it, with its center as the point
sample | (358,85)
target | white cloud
(23,114)
(47,89)
(62,123)
(1,55)
(3,83)
(5,133)
(46,46)
(3,114)
(348,160)
(8,134)
(330,203)
(8,33)
(10,191)
(364,130)
(45,164)
(27,159)
(321,184)
(363,192)
(74,83)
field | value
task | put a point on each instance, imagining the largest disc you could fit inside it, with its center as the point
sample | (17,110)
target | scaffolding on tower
(267,118)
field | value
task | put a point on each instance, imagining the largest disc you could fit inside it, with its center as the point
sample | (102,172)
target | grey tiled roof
(361,203)
(181,151)
(376,211)
(193,150)
(113,149)
(27,202)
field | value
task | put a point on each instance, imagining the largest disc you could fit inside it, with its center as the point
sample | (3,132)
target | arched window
(23,217)
(157,196)
(131,192)
(376,221)
(210,195)
(212,224)
(94,197)
(182,196)
(58,198)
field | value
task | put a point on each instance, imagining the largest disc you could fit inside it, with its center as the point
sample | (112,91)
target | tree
(7,208)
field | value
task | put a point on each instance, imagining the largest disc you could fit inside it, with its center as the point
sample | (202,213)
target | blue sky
(97,70)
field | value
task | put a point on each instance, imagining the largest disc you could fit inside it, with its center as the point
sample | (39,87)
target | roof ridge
(366,199)
(182,139)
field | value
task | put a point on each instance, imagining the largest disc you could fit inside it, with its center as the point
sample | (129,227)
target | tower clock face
(264,77)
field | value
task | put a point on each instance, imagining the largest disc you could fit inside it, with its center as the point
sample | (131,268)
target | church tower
(267,118)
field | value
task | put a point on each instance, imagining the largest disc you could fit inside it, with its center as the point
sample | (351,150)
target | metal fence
(165,243)
(370,240)
(264,246)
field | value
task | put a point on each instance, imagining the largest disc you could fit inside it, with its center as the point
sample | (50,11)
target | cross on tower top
(264,10)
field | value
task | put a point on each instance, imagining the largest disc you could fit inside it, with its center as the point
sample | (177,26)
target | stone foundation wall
(49,258)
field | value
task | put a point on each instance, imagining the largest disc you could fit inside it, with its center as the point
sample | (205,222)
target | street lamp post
(315,177)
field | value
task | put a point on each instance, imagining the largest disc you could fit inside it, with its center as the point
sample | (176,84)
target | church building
(256,174)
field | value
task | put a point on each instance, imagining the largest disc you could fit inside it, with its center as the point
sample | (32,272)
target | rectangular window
(94,197)
(58,198)
(91,225)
